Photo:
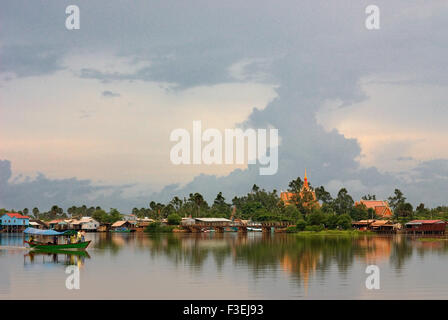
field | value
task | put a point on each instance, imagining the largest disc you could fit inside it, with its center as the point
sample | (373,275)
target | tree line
(259,205)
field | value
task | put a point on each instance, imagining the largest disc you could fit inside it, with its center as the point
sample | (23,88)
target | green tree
(359,212)
(323,195)
(343,202)
(220,207)
(295,185)
(397,199)
(174,219)
(344,221)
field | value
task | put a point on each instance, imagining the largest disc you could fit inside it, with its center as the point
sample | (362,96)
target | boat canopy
(43,232)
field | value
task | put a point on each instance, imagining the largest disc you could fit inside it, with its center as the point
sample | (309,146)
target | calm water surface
(228,266)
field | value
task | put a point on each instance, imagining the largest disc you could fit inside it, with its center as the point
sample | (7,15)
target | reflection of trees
(302,257)
(106,241)
(403,248)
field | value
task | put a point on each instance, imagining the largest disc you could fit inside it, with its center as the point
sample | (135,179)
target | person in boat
(55,240)
(72,238)
(79,236)
(31,239)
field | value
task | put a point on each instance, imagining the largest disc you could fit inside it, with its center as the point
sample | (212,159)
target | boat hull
(42,246)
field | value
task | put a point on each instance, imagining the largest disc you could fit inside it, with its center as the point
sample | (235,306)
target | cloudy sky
(86,115)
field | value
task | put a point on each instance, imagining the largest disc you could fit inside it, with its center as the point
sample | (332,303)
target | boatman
(79,236)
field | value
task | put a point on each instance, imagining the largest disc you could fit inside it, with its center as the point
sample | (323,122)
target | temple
(291,197)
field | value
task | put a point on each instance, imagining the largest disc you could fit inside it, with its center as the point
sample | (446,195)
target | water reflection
(64,257)
(253,265)
(301,257)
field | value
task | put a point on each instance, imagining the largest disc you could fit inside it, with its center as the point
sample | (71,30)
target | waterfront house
(89,224)
(129,217)
(384,226)
(14,222)
(213,222)
(104,227)
(38,224)
(362,225)
(380,207)
(59,224)
(188,221)
(122,224)
(426,227)
(143,223)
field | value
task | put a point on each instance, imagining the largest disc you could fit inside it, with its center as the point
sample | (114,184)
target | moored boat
(78,245)
(41,245)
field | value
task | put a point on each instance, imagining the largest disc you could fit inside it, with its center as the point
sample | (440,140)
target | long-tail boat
(82,245)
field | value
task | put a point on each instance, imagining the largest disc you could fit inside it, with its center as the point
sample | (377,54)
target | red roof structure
(16,215)
(381,207)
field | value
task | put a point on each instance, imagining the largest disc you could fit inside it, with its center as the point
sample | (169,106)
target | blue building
(14,222)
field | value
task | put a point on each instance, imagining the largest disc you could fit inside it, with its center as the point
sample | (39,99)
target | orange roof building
(290,197)
(380,207)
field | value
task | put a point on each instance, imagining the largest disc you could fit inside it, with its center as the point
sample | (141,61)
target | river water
(228,266)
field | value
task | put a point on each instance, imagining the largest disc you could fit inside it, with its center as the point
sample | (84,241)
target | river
(228,266)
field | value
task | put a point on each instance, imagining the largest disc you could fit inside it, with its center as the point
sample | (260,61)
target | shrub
(157,227)
(174,219)
(315,228)
(300,225)
(344,221)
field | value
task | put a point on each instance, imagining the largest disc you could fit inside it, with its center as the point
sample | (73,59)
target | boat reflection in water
(64,257)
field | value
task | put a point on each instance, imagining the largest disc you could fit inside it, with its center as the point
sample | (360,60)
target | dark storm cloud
(43,192)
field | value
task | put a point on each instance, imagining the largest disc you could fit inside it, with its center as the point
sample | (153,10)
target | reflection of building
(306,194)
(305,266)
(376,248)
(380,207)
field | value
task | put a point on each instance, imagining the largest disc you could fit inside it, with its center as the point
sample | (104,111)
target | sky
(86,115)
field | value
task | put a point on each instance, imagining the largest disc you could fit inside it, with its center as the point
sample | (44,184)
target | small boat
(80,245)
(49,246)
(254,229)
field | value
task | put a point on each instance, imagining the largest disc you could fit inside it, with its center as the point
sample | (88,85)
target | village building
(129,217)
(425,227)
(212,222)
(59,224)
(380,207)
(89,224)
(38,224)
(14,222)
(122,224)
(362,225)
(306,192)
(385,226)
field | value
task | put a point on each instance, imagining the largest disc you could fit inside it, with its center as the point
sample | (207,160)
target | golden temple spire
(305,182)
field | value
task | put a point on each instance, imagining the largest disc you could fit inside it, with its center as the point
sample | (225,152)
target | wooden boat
(82,245)
(52,246)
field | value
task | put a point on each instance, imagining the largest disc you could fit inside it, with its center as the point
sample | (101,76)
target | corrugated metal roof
(213,219)
(425,221)
(118,223)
